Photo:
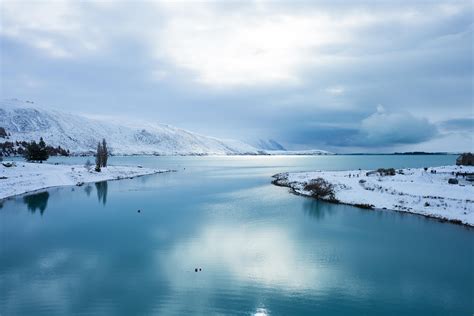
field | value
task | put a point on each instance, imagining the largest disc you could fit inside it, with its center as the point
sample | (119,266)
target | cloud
(262,43)
(304,74)
(458,124)
(335,90)
(248,44)
(57,28)
(383,128)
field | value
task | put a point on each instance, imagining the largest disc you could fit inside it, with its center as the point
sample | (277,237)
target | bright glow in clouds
(226,48)
(264,45)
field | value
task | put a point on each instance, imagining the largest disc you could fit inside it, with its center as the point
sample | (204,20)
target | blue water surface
(258,249)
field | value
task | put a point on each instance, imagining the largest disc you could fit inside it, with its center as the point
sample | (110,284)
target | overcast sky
(372,76)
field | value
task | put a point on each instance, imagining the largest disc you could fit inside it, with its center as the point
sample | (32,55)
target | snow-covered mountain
(25,120)
(269,144)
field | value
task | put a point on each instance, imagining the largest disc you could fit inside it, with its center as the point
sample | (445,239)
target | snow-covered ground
(413,190)
(27,177)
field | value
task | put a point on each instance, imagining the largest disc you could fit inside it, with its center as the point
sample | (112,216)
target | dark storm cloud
(380,129)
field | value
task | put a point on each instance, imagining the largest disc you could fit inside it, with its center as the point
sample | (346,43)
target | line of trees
(19,148)
(101,156)
(36,151)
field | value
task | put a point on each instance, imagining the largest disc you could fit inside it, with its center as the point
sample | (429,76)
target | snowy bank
(310,152)
(25,177)
(419,191)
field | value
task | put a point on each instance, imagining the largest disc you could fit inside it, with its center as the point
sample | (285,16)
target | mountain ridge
(26,121)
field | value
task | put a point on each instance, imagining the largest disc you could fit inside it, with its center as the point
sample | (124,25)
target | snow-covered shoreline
(418,191)
(24,177)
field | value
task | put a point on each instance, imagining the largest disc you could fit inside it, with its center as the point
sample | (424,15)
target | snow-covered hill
(25,120)
(269,144)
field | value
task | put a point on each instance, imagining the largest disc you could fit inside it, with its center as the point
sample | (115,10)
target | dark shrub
(453,181)
(364,206)
(320,189)
(466,159)
(386,172)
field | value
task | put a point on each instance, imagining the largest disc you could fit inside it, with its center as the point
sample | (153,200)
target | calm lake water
(261,250)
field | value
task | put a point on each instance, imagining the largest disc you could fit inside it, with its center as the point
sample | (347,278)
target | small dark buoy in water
(139,211)
(195,269)
(200,269)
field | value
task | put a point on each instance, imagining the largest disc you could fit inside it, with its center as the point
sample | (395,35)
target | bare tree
(88,165)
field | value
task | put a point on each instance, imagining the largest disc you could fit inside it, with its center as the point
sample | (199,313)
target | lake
(258,249)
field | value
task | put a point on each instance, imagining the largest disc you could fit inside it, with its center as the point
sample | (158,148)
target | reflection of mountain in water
(38,201)
(101,191)
(318,209)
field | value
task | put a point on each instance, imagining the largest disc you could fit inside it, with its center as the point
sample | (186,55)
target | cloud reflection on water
(268,256)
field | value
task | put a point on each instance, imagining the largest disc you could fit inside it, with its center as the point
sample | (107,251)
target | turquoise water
(262,251)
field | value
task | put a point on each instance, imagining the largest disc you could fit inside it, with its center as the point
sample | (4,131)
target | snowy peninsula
(22,177)
(419,191)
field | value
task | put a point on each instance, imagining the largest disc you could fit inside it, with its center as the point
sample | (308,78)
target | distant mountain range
(27,121)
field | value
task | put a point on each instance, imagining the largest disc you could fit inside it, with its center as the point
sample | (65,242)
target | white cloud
(57,27)
(31,82)
(51,48)
(159,75)
(221,45)
(262,44)
(336,90)
(224,48)
(383,127)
